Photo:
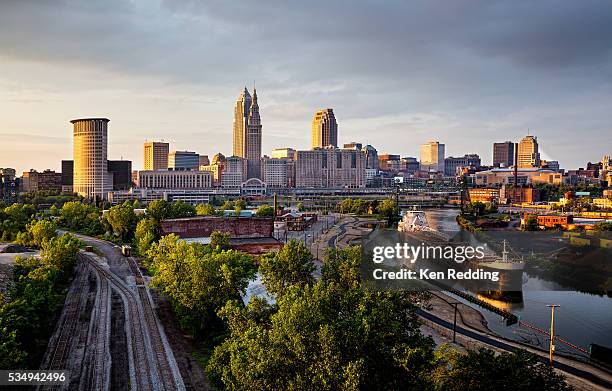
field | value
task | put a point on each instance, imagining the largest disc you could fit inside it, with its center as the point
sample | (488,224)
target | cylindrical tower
(91,177)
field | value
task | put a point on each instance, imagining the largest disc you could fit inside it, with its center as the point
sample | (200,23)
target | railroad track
(68,324)
(137,333)
(96,375)
(149,375)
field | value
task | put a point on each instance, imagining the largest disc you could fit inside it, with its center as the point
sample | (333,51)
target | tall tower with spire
(247,132)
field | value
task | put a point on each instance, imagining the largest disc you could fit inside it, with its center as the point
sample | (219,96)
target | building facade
(91,178)
(183,160)
(174,179)
(452,164)
(330,168)
(503,154)
(432,156)
(234,172)
(324,129)
(121,171)
(247,132)
(528,155)
(275,172)
(156,155)
(9,185)
(48,180)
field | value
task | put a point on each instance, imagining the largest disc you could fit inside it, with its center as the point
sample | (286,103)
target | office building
(504,176)
(215,168)
(247,132)
(503,154)
(67,176)
(371,157)
(9,185)
(409,165)
(528,154)
(183,160)
(388,162)
(432,157)
(121,171)
(324,129)
(234,172)
(162,179)
(156,155)
(91,178)
(453,164)
(48,180)
(330,168)
(204,161)
(283,153)
(275,172)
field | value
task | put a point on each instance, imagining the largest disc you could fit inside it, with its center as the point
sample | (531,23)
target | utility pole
(455,321)
(552,331)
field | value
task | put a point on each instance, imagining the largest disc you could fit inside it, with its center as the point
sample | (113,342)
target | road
(512,348)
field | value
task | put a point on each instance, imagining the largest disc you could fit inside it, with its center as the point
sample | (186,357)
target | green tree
(159,210)
(61,252)
(485,370)
(265,211)
(324,338)
(146,233)
(198,280)
(341,266)
(300,207)
(220,240)
(293,264)
(602,226)
(389,209)
(531,223)
(345,206)
(38,231)
(182,209)
(205,210)
(122,221)
(78,216)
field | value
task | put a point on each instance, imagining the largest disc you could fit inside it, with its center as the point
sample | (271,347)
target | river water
(582,318)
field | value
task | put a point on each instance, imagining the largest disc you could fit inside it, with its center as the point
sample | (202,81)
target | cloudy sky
(396,73)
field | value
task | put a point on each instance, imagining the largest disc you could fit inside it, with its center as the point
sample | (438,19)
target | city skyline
(166,75)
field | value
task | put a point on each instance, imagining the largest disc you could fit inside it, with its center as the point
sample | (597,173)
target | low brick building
(203,226)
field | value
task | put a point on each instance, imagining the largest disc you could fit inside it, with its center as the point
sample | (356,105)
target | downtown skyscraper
(324,129)
(247,132)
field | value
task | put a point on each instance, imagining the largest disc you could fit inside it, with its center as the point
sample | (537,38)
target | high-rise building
(371,156)
(247,132)
(330,168)
(324,129)
(432,156)
(452,164)
(183,160)
(9,185)
(409,164)
(503,154)
(122,173)
(204,161)
(67,176)
(156,155)
(389,162)
(274,172)
(283,153)
(528,154)
(91,177)
(234,172)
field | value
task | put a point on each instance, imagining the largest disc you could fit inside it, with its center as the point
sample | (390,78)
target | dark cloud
(482,68)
